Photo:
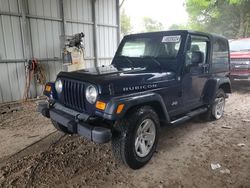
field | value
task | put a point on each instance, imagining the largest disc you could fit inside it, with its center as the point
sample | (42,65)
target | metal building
(32,28)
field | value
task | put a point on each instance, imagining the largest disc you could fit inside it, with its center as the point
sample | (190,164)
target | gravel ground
(33,154)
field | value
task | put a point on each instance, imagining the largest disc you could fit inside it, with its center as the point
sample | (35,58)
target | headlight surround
(91,94)
(58,86)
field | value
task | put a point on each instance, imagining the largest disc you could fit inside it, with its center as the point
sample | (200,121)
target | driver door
(196,74)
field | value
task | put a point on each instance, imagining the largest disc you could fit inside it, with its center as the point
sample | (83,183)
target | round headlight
(91,94)
(58,86)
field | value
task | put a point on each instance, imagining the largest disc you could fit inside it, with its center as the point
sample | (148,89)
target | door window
(197,44)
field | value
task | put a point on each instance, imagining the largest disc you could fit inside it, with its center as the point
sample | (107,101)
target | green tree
(176,27)
(151,25)
(126,26)
(227,17)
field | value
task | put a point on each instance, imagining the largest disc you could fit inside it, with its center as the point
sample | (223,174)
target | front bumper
(75,122)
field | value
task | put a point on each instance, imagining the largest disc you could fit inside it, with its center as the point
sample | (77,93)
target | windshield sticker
(175,38)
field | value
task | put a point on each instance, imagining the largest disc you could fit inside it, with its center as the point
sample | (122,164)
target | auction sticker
(173,38)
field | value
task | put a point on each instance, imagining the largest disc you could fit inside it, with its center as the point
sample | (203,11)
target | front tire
(136,136)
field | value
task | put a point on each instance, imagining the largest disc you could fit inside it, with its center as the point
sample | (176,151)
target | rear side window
(220,51)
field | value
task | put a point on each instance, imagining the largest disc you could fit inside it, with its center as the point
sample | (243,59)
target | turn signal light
(119,108)
(100,105)
(48,88)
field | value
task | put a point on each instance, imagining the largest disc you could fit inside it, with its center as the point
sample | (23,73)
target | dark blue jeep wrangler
(154,79)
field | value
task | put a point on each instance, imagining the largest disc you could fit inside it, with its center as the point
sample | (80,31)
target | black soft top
(175,32)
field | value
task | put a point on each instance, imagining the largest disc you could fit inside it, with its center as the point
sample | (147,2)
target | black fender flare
(211,87)
(130,101)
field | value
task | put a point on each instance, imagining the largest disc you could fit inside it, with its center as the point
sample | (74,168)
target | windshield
(240,45)
(156,47)
(153,52)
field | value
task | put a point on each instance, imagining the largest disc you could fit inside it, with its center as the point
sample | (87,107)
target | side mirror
(197,58)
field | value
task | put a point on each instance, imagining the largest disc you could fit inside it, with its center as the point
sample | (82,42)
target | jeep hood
(107,77)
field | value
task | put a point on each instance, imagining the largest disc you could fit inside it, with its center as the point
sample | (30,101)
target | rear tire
(216,110)
(60,127)
(136,136)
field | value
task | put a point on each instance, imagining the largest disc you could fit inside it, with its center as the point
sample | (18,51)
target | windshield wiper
(154,60)
(128,59)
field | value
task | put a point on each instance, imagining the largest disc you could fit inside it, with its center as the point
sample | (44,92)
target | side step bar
(189,116)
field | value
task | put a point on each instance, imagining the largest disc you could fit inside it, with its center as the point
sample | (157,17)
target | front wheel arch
(155,105)
(133,101)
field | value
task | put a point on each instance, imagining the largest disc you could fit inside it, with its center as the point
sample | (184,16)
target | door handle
(205,68)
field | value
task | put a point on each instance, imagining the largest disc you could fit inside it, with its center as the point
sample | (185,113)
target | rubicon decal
(142,87)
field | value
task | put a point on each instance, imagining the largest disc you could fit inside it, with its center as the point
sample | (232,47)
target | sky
(167,12)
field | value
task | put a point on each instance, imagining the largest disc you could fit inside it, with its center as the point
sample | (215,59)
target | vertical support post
(62,7)
(95,32)
(26,41)
(118,22)
(63,26)
(24,32)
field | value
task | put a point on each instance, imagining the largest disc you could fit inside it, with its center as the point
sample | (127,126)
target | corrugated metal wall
(12,75)
(34,28)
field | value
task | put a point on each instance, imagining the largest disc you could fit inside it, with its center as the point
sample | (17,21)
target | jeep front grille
(73,94)
(240,64)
